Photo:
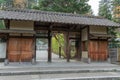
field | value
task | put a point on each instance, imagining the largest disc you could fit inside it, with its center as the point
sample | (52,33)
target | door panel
(98,50)
(26,49)
(103,50)
(93,49)
(20,49)
(13,49)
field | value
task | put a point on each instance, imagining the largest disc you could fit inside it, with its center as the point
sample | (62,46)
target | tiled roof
(55,17)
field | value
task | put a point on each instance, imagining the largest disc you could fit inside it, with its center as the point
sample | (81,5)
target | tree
(105,9)
(20,4)
(116,10)
(69,6)
(2,4)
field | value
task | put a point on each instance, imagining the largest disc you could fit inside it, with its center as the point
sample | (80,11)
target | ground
(59,69)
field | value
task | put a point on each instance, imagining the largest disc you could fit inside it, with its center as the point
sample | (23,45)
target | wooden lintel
(41,36)
(83,27)
(21,36)
(59,29)
(73,38)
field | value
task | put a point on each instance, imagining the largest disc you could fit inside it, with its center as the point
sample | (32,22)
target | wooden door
(93,50)
(14,49)
(103,50)
(98,50)
(20,49)
(26,50)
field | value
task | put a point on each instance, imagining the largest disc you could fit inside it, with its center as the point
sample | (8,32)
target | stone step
(68,76)
(32,71)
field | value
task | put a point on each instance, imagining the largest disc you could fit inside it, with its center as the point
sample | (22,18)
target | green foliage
(59,42)
(115,4)
(2,26)
(105,9)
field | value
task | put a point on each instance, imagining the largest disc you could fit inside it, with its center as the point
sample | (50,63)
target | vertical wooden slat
(49,46)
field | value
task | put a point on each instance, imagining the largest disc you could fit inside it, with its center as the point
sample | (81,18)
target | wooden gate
(98,50)
(20,49)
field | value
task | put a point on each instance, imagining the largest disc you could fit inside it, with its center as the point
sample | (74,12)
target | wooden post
(59,52)
(34,50)
(6,59)
(35,47)
(49,45)
(89,58)
(67,47)
(80,47)
(7,27)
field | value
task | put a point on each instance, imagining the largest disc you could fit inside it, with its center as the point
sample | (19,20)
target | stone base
(109,61)
(33,61)
(6,62)
(2,59)
(86,60)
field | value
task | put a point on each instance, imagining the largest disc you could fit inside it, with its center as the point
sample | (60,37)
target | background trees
(110,9)
(69,6)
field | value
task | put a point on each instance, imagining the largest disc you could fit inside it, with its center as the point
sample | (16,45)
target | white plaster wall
(84,34)
(22,25)
(2,50)
(84,54)
(98,29)
(118,54)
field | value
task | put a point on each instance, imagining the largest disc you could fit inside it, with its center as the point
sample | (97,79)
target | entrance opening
(41,49)
(63,47)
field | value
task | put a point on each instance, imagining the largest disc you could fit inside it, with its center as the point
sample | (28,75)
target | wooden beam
(84,27)
(41,37)
(58,29)
(49,46)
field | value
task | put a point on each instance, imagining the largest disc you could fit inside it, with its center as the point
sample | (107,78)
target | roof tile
(56,17)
